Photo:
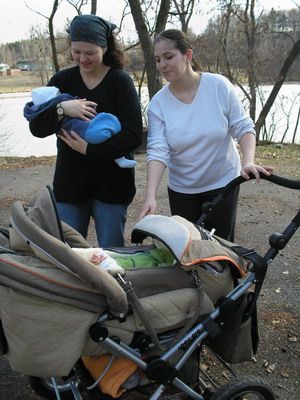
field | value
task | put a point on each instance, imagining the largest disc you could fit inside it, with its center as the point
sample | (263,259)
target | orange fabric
(119,371)
(215,258)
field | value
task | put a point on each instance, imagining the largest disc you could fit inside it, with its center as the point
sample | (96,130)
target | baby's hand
(106,263)
(97,258)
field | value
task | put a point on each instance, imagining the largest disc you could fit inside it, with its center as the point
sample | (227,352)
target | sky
(16,19)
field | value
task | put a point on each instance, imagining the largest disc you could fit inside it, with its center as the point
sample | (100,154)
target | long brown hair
(181,42)
(114,55)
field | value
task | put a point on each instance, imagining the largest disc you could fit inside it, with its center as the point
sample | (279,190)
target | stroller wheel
(244,388)
(66,386)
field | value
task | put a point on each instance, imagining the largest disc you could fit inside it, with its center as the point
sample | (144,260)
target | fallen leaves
(292,337)
(269,367)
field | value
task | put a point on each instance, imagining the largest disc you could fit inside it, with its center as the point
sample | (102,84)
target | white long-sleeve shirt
(197,141)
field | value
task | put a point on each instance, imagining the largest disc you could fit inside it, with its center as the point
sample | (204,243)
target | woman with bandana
(87,182)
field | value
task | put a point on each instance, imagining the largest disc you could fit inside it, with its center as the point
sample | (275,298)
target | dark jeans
(223,217)
(109,220)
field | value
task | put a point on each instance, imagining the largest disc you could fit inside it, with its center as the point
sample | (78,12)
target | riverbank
(283,157)
(22,162)
(16,139)
(23,82)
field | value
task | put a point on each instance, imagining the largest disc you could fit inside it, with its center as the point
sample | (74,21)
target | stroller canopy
(36,228)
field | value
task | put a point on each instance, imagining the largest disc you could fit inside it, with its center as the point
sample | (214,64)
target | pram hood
(36,228)
(190,245)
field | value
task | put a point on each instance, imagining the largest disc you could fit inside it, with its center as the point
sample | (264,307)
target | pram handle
(208,207)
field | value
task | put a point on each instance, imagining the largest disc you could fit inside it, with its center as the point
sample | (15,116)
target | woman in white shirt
(194,124)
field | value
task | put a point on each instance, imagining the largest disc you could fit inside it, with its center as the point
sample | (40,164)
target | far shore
(23,162)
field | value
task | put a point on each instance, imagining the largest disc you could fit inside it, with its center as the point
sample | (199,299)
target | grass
(23,82)
(283,157)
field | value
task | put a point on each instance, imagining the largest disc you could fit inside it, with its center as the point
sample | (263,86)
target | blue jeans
(109,220)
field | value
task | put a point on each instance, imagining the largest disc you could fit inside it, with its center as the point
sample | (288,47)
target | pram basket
(127,317)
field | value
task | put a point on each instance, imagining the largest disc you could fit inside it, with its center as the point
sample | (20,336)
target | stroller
(77,330)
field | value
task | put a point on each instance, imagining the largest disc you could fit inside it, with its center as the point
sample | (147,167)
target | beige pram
(59,312)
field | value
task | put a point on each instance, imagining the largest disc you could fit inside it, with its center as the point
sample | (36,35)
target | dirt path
(264,209)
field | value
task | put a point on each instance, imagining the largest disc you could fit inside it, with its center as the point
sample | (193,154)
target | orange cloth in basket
(118,373)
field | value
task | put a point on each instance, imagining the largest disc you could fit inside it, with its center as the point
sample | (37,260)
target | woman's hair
(92,29)
(180,40)
(114,55)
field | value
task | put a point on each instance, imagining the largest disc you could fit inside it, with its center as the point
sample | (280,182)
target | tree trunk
(294,53)
(184,12)
(162,16)
(153,80)
(250,30)
(94,7)
(52,37)
(296,126)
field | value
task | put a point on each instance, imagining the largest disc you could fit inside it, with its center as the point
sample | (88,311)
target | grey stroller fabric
(56,252)
(49,297)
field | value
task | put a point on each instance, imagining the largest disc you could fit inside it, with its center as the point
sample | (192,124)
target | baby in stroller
(115,264)
(158,319)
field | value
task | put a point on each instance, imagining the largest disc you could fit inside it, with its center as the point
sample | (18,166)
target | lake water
(17,141)
(15,137)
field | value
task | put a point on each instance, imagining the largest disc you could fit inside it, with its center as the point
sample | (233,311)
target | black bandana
(90,29)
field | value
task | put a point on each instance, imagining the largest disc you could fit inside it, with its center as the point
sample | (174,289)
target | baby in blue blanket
(102,127)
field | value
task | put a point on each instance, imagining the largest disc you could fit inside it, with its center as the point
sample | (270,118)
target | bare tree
(52,37)
(145,37)
(296,126)
(78,4)
(234,17)
(51,30)
(223,48)
(250,21)
(287,114)
(40,51)
(184,11)
(5,135)
(250,30)
(94,7)
(294,53)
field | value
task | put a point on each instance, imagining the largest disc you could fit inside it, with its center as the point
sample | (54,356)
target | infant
(142,259)
(100,258)
(100,128)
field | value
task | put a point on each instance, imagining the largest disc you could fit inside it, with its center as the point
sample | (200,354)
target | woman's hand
(247,146)
(256,170)
(148,208)
(73,140)
(155,170)
(79,108)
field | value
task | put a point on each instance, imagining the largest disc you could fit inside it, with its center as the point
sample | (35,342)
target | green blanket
(147,259)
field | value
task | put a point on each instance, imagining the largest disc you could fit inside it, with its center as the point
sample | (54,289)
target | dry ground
(264,208)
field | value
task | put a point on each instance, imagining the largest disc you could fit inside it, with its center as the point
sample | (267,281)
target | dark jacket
(95,175)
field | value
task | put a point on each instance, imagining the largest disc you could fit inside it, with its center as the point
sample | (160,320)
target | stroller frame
(159,369)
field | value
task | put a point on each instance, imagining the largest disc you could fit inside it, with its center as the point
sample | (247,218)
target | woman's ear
(189,55)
